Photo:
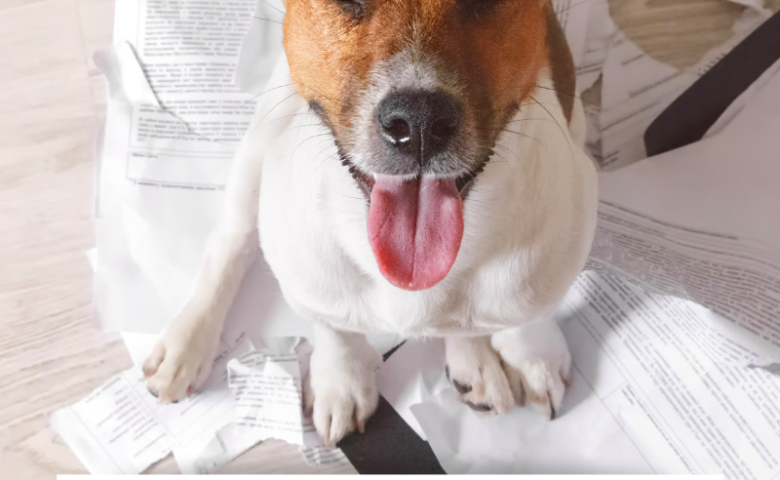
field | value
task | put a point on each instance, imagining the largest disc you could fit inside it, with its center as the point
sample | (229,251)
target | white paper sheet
(122,428)
(701,222)
(682,388)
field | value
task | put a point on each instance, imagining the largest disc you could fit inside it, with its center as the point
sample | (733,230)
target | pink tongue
(415,228)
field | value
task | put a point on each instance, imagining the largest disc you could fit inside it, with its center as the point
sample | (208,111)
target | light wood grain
(51,101)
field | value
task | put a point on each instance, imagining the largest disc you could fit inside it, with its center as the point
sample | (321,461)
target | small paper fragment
(267,384)
(211,452)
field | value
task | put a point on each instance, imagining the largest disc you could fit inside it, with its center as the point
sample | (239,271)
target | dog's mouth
(463,183)
(415,223)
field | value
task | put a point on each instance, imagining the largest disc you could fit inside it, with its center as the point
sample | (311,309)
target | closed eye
(356,9)
(477,9)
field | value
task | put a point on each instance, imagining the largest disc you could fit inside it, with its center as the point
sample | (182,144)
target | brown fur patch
(561,63)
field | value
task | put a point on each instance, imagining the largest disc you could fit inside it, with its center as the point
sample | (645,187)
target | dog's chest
(346,297)
(328,273)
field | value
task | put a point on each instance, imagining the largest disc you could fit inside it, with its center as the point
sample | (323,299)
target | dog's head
(415,93)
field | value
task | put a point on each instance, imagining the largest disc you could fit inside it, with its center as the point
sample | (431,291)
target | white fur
(529,222)
(342,390)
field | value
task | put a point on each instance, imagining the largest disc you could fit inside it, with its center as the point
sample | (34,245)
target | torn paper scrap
(114,430)
(267,384)
(122,428)
(126,79)
(268,394)
(210,452)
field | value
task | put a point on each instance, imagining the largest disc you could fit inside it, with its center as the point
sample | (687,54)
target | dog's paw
(342,392)
(537,364)
(180,362)
(475,371)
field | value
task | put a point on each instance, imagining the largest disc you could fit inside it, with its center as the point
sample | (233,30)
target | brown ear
(561,63)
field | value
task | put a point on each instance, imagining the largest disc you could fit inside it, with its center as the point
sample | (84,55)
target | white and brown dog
(460,203)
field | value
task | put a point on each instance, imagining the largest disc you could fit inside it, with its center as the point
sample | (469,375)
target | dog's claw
(476,374)
(461,388)
(479,407)
(552,406)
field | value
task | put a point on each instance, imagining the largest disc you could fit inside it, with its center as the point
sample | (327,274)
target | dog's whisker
(268,112)
(313,137)
(518,120)
(268,20)
(249,100)
(571,152)
(558,92)
(325,160)
(558,12)
(520,134)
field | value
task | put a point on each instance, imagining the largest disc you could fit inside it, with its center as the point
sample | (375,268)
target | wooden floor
(51,101)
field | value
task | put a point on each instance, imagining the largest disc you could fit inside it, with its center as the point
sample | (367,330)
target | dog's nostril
(397,131)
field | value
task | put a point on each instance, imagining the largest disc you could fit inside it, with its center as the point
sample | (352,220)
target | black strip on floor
(389,445)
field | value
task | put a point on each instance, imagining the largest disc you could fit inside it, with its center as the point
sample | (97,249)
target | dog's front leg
(181,361)
(342,385)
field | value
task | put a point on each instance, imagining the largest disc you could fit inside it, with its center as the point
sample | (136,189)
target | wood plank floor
(51,102)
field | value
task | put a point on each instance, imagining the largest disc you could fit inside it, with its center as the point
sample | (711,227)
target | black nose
(418,123)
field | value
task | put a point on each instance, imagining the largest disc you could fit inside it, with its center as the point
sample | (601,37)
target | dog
(458,203)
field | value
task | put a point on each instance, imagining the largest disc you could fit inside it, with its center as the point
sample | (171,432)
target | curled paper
(267,384)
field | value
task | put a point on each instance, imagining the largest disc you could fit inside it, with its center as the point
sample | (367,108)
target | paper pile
(252,395)
(184,80)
